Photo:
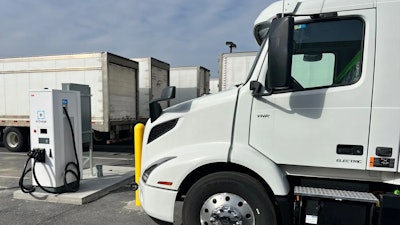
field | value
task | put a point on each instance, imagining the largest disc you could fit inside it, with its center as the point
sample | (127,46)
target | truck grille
(161,129)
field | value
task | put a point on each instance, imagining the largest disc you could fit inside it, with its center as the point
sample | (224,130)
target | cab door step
(322,206)
(339,195)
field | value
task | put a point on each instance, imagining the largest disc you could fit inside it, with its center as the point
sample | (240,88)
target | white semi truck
(111,78)
(312,136)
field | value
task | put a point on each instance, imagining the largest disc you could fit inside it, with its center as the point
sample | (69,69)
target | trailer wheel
(14,139)
(228,198)
(100,137)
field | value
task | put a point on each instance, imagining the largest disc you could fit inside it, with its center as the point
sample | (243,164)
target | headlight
(150,169)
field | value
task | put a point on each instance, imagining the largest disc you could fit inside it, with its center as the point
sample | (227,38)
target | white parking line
(87,157)
(12,153)
(13,177)
(84,157)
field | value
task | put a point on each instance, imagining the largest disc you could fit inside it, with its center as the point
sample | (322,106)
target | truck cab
(317,114)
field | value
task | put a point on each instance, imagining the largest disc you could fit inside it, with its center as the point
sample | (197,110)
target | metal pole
(283,8)
(91,153)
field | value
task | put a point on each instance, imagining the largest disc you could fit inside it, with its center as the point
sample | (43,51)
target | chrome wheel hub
(226,209)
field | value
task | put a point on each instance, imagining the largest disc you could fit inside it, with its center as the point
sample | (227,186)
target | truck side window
(310,73)
(327,53)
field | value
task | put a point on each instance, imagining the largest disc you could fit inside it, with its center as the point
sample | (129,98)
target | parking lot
(118,207)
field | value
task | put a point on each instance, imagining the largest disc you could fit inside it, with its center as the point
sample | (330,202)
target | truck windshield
(327,53)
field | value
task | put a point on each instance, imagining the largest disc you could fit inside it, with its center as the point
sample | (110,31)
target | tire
(99,137)
(15,139)
(227,198)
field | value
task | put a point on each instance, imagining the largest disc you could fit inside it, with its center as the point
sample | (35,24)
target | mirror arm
(256,87)
(257,95)
(263,94)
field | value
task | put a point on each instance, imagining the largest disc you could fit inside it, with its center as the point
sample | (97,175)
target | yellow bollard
(138,133)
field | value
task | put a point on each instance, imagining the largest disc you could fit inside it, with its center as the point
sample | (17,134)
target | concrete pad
(91,187)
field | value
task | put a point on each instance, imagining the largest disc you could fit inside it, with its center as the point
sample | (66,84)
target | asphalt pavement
(118,207)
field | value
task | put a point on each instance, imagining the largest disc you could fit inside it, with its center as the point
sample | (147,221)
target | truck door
(323,119)
(385,115)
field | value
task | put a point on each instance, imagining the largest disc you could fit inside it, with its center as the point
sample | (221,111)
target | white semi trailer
(311,137)
(112,80)
(234,68)
(214,85)
(190,82)
(153,78)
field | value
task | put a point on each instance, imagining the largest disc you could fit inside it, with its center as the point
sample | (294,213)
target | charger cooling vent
(161,129)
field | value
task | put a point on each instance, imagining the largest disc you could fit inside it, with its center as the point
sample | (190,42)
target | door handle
(349,149)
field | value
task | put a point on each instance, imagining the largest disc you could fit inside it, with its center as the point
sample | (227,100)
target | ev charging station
(56,140)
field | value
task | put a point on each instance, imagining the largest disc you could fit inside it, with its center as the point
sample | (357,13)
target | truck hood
(207,119)
(201,105)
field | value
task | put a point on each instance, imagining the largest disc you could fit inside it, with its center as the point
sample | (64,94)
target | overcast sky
(179,32)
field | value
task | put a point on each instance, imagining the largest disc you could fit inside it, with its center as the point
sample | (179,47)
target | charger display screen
(44,141)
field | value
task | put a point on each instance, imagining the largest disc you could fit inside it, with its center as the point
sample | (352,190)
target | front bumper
(158,203)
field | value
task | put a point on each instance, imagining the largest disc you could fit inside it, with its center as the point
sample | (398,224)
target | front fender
(269,171)
(186,159)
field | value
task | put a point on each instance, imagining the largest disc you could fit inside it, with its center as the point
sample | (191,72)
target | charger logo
(64,102)
(40,116)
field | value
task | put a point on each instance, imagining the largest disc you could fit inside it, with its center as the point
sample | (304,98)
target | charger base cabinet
(50,130)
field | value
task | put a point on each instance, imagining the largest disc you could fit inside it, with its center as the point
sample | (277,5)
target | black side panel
(285,209)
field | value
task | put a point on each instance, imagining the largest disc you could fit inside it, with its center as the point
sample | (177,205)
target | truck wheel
(14,139)
(228,198)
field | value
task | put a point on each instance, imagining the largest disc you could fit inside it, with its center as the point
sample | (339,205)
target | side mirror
(167,93)
(258,89)
(280,51)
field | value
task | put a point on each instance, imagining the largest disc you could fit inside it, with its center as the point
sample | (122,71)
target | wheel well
(218,167)
(232,167)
